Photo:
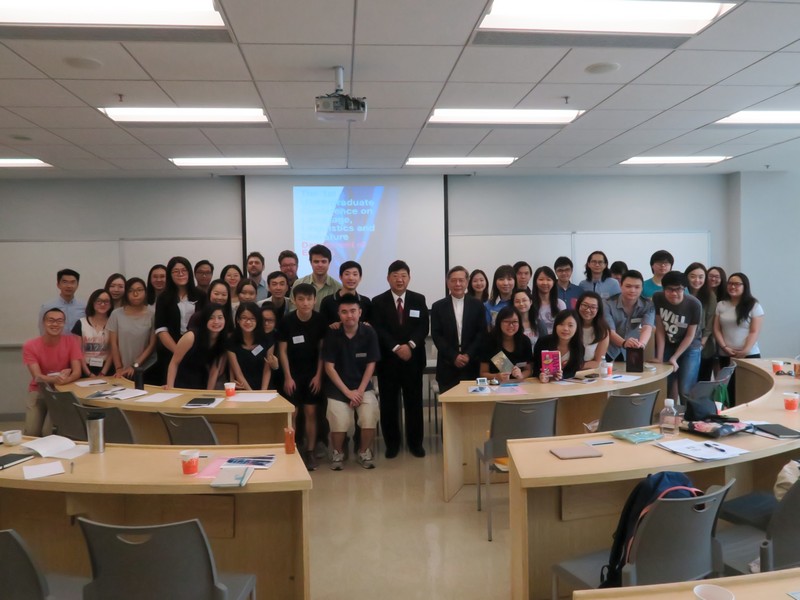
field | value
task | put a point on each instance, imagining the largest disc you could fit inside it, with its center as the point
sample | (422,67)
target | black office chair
(66,420)
(189,430)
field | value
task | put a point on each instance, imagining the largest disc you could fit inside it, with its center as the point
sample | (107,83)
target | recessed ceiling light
(462,161)
(152,13)
(762,117)
(83,62)
(230,162)
(674,160)
(603,16)
(13,163)
(495,116)
(602,68)
(184,115)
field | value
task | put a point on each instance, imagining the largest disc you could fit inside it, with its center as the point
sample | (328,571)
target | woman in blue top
(247,349)
(598,276)
(502,286)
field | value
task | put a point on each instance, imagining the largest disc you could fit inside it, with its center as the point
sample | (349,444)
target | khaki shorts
(340,414)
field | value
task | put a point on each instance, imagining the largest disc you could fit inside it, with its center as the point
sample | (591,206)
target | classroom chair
(66,420)
(511,421)
(172,561)
(674,542)
(624,412)
(189,430)
(116,427)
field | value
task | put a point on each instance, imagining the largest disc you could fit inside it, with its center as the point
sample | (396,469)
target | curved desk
(560,509)
(467,417)
(234,422)
(261,528)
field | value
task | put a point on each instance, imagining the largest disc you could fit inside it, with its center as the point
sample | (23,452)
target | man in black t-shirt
(300,336)
(350,276)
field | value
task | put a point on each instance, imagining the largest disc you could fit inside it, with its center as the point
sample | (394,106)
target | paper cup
(708,591)
(230,389)
(190,459)
(777,366)
(791,401)
(12,437)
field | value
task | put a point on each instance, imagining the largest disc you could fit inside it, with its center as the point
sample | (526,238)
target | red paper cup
(190,459)
(791,401)
(230,389)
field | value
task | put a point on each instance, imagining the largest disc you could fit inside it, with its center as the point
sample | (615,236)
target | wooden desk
(261,528)
(745,587)
(467,417)
(234,423)
(560,509)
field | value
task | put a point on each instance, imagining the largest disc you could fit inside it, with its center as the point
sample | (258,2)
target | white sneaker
(337,463)
(365,459)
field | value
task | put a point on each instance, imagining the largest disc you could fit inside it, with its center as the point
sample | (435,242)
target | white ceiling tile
(375,163)
(578,95)
(589,138)
(106,93)
(709,136)
(486,64)
(65,118)
(612,119)
(382,151)
(682,121)
(306,151)
(697,67)
(8,152)
(650,137)
(730,97)
(751,26)
(769,136)
(126,151)
(634,96)
(563,151)
(301,117)
(107,135)
(417,22)
(400,137)
(14,67)
(388,94)
(632,62)
(168,135)
(677,149)
(781,68)
(242,136)
(9,119)
(139,164)
(58,152)
(35,92)
(190,61)
(50,56)
(186,150)
(291,94)
(452,135)
(420,151)
(238,94)
(501,150)
(734,149)
(534,162)
(295,22)
(83,164)
(276,62)
(403,63)
(482,95)
(789,100)
(519,136)
(268,150)
(30,138)
(315,136)
(396,118)
(319,163)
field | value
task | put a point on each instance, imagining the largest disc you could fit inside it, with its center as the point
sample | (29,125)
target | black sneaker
(309,460)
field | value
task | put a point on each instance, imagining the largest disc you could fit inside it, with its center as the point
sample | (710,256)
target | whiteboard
(487,252)
(28,272)
(635,248)
(137,256)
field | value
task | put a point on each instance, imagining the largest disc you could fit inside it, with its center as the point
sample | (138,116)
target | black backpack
(666,484)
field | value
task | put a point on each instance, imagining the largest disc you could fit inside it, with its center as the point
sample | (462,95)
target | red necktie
(400,310)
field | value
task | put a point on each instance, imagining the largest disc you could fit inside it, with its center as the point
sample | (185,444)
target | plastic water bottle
(668,419)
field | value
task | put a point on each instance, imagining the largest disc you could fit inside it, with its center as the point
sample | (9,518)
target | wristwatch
(135,365)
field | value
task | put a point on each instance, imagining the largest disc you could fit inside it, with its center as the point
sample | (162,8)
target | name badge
(96,362)
(298,339)
(414,314)
(257,350)
(361,355)
(636,321)
(681,325)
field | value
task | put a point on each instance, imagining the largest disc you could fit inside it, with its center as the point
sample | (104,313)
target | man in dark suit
(400,317)
(458,325)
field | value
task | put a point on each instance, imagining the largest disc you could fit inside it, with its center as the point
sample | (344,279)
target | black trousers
(724,361)
(396,379)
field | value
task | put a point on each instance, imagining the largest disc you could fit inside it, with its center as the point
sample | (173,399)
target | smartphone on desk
(198,402)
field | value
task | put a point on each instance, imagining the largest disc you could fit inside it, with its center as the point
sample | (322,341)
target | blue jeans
(688,369)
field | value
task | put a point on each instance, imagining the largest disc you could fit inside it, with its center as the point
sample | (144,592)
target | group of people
(319,342)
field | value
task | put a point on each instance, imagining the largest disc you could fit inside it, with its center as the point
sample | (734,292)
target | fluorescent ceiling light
(492,116)
(82,13)
(674,160)
(14,163)
(762,117)
(465,161)
(230,162)
(184,115)
(603,16)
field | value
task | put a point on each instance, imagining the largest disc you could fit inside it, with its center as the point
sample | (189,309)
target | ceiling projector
(338,106)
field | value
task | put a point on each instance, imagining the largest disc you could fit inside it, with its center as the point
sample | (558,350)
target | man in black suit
(458,325)
(400,317)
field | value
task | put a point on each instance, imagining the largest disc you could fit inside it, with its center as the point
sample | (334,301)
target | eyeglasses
(735,284)
(673,290)
(247,319)
(179,272)
(55,321)
(589,307)
(510,323)
(102,301)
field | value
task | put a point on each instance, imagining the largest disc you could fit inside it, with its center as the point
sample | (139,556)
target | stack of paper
(700,450)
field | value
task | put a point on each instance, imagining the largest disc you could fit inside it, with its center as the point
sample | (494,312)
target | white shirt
(458,309)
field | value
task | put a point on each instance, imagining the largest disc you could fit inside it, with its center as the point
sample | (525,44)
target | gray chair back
(158,561)
(675,541)
(116,427)
(705,389)
(725,373)
(781,549)
(189,430)
(20,578)
(66,420)
(624,412)
(519,420)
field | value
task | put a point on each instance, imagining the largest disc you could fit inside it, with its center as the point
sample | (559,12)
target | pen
(715,447)
(71,466)
(601,443)
(616,377)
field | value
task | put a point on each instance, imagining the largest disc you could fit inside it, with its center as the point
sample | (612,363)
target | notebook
(9,460)
(779,431)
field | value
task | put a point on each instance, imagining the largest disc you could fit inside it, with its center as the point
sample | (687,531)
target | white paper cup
(190,460)
(230,389)
(709,591)
(12,437)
